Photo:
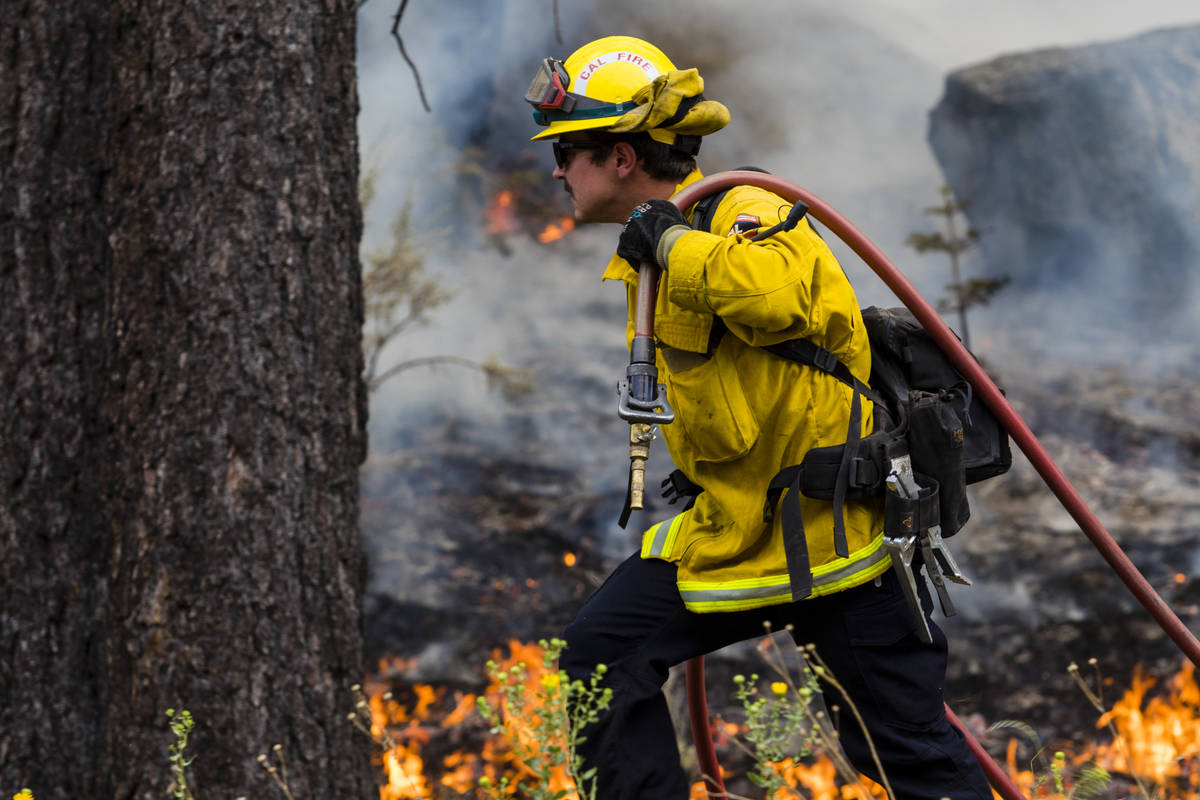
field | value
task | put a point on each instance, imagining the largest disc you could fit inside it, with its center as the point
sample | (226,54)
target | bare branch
(512,382)
(404,53)
(379,340)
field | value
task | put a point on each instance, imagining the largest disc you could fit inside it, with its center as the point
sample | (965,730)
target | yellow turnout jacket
(742,413)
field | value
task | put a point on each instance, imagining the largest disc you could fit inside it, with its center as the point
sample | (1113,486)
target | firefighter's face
(596,192)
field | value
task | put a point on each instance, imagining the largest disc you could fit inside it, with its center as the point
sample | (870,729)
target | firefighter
(625,126)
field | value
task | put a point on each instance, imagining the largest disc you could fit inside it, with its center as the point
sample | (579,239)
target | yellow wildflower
(779,688)
(24,794)
(550,681)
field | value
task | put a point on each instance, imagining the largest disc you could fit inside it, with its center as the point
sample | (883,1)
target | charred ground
(481,545)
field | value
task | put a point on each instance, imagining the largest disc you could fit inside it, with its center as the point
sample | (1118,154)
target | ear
(626,160)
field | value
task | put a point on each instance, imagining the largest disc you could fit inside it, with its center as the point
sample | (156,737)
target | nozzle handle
(632,410)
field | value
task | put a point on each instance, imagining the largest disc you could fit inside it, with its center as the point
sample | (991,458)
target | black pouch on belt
(935,441)
(903,516)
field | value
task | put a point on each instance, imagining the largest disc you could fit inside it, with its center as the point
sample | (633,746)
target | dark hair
(660,161)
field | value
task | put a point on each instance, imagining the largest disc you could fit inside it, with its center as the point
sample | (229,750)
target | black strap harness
(792,478)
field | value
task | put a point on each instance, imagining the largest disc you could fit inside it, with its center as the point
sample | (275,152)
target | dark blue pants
(637,625)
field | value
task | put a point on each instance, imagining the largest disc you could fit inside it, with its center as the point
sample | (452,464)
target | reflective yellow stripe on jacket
(860,567)
(659,541)
(735,595)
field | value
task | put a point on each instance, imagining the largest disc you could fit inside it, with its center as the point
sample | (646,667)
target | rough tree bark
(52,277)
(184,410)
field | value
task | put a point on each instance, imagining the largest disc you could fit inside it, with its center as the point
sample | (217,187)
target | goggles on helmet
(548,95)
(548,89)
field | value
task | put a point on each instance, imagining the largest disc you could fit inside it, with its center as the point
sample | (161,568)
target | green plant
(1095,696)
(792,723)
(778,728)
(541,714)
(1088,782)
(1070,783)
(1073,783)
(181,727)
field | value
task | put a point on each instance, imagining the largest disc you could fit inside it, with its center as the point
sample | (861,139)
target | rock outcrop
(1081,167)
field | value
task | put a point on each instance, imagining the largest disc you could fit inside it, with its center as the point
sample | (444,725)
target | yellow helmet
(595,86)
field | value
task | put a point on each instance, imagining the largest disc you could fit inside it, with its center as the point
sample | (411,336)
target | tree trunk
(180,480)
(52,274)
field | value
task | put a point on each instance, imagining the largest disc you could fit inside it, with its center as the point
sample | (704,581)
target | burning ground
(489,521)
(487,542)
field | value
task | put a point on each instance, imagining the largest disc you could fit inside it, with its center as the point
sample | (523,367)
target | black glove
(643,231)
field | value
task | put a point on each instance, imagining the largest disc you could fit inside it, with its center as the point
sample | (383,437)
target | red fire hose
(1005,413)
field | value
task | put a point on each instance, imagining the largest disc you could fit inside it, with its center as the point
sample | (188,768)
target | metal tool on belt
(939,563)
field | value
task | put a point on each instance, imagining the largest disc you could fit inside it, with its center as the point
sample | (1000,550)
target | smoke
(835,97)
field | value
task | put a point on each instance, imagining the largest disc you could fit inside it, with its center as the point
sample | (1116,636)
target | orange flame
(569,558)
(1023,778)
(1158,738)
(501,218)
(501,215)
(465,707)
(555,231)
(821,780)
(390,720)
(406,775)
(402,762)
(407,730)
(461,769)
(531,708)
(1158,743)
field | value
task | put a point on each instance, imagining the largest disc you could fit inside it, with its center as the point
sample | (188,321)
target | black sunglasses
(562,150)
